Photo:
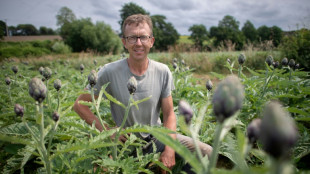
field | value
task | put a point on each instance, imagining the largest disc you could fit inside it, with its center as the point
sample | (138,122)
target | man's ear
(124,42)
(152,41)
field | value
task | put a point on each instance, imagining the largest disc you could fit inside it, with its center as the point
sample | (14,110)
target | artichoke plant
(55,116)
(209,85)
(15,69)
(284,61)
(227,98)
(41,70)
(291,63)
(81,68)
(57,84)
(8,80)
(253,130)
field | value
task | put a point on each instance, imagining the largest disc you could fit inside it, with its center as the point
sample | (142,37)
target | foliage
(249,32)
(46,31)
(270,33)
(26,30)
(61,48)
(297,46)
(228,30)
(2,29)
(198,35)
(165,34)
(129,9)
(76,147)
(65,16)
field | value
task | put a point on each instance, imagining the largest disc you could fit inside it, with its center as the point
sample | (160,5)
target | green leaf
(86,103)
(140,101)
(297,111)
(14,139)
(219,76)
(101,94)
(114,100)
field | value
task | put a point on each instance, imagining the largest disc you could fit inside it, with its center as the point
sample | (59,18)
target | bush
(297,46)
(61,48)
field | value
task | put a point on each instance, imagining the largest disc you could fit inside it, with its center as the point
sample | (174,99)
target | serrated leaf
(298,111)
(114,100)
(140,101)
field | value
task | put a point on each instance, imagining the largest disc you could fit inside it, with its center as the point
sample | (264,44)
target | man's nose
(138,41)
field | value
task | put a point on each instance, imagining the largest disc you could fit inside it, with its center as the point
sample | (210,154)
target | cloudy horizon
(286,14)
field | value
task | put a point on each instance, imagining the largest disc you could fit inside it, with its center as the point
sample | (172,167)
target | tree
(2,29)
(84,35)
(249,31)
(46,31)
(276,35)
(165,34)
(64,16)
(198,34)
(228,30)
(129,9)
(26,30)
(263,33)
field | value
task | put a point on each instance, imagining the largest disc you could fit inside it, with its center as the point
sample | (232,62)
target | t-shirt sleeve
(168,85)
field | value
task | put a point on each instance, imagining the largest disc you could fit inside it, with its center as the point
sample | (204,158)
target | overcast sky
(286,14)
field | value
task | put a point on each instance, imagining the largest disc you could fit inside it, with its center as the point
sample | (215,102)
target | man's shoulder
(159,66)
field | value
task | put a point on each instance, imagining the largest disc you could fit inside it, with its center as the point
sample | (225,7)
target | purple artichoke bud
(95,62)
(284,61)
(241,59)
(278,131)
(47,73)
(57,84)
(291,63)
(185,110)
(37,89)
(7,80)
(41,70)
(55,116)
(209,85)
(19,110)
(275,64)
(132,85)
(92,78)
(175,65)
(253,130)
(82,68)
(227,98)
(228,60)
(296,66)
(269,60)
(15,69)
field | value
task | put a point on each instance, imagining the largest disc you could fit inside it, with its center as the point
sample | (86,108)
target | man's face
(138,50)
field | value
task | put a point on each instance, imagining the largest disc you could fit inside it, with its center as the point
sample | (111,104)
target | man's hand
(167,157)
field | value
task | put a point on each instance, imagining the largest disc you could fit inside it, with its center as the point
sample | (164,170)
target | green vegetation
(50,137)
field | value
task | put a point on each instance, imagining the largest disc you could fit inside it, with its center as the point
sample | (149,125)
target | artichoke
(95,62)
(278,131)
(175,65)
(253,130)
(132,85)
(185,110)
(55,116)
(291,63)
(19,110)
(8,80)
(47,73)
(284,61)
(269,60)
(227,98)
(57,84)
(209,85)
(275,64)
(41,70)
(15,69)
(92,78)
(241,59)
(37,89)
(82,68)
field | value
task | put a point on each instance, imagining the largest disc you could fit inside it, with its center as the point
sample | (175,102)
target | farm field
(47,136)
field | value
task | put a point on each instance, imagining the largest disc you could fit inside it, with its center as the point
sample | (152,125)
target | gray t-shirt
(156,82)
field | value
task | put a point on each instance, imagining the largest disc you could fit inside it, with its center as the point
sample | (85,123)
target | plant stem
(215,145)
(58,101)
(42,143)
(47,98)
(121,127)
(267,82)
(239,71)
(97,108)
(10,94)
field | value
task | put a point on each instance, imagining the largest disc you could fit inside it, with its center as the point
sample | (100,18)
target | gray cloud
(182,14)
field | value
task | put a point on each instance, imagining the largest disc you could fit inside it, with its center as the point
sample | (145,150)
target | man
(153,79)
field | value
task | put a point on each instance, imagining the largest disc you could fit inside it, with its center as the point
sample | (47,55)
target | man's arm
(168,155)
(85,113)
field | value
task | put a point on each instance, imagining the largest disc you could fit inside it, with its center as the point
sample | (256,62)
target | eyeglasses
(134,39)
